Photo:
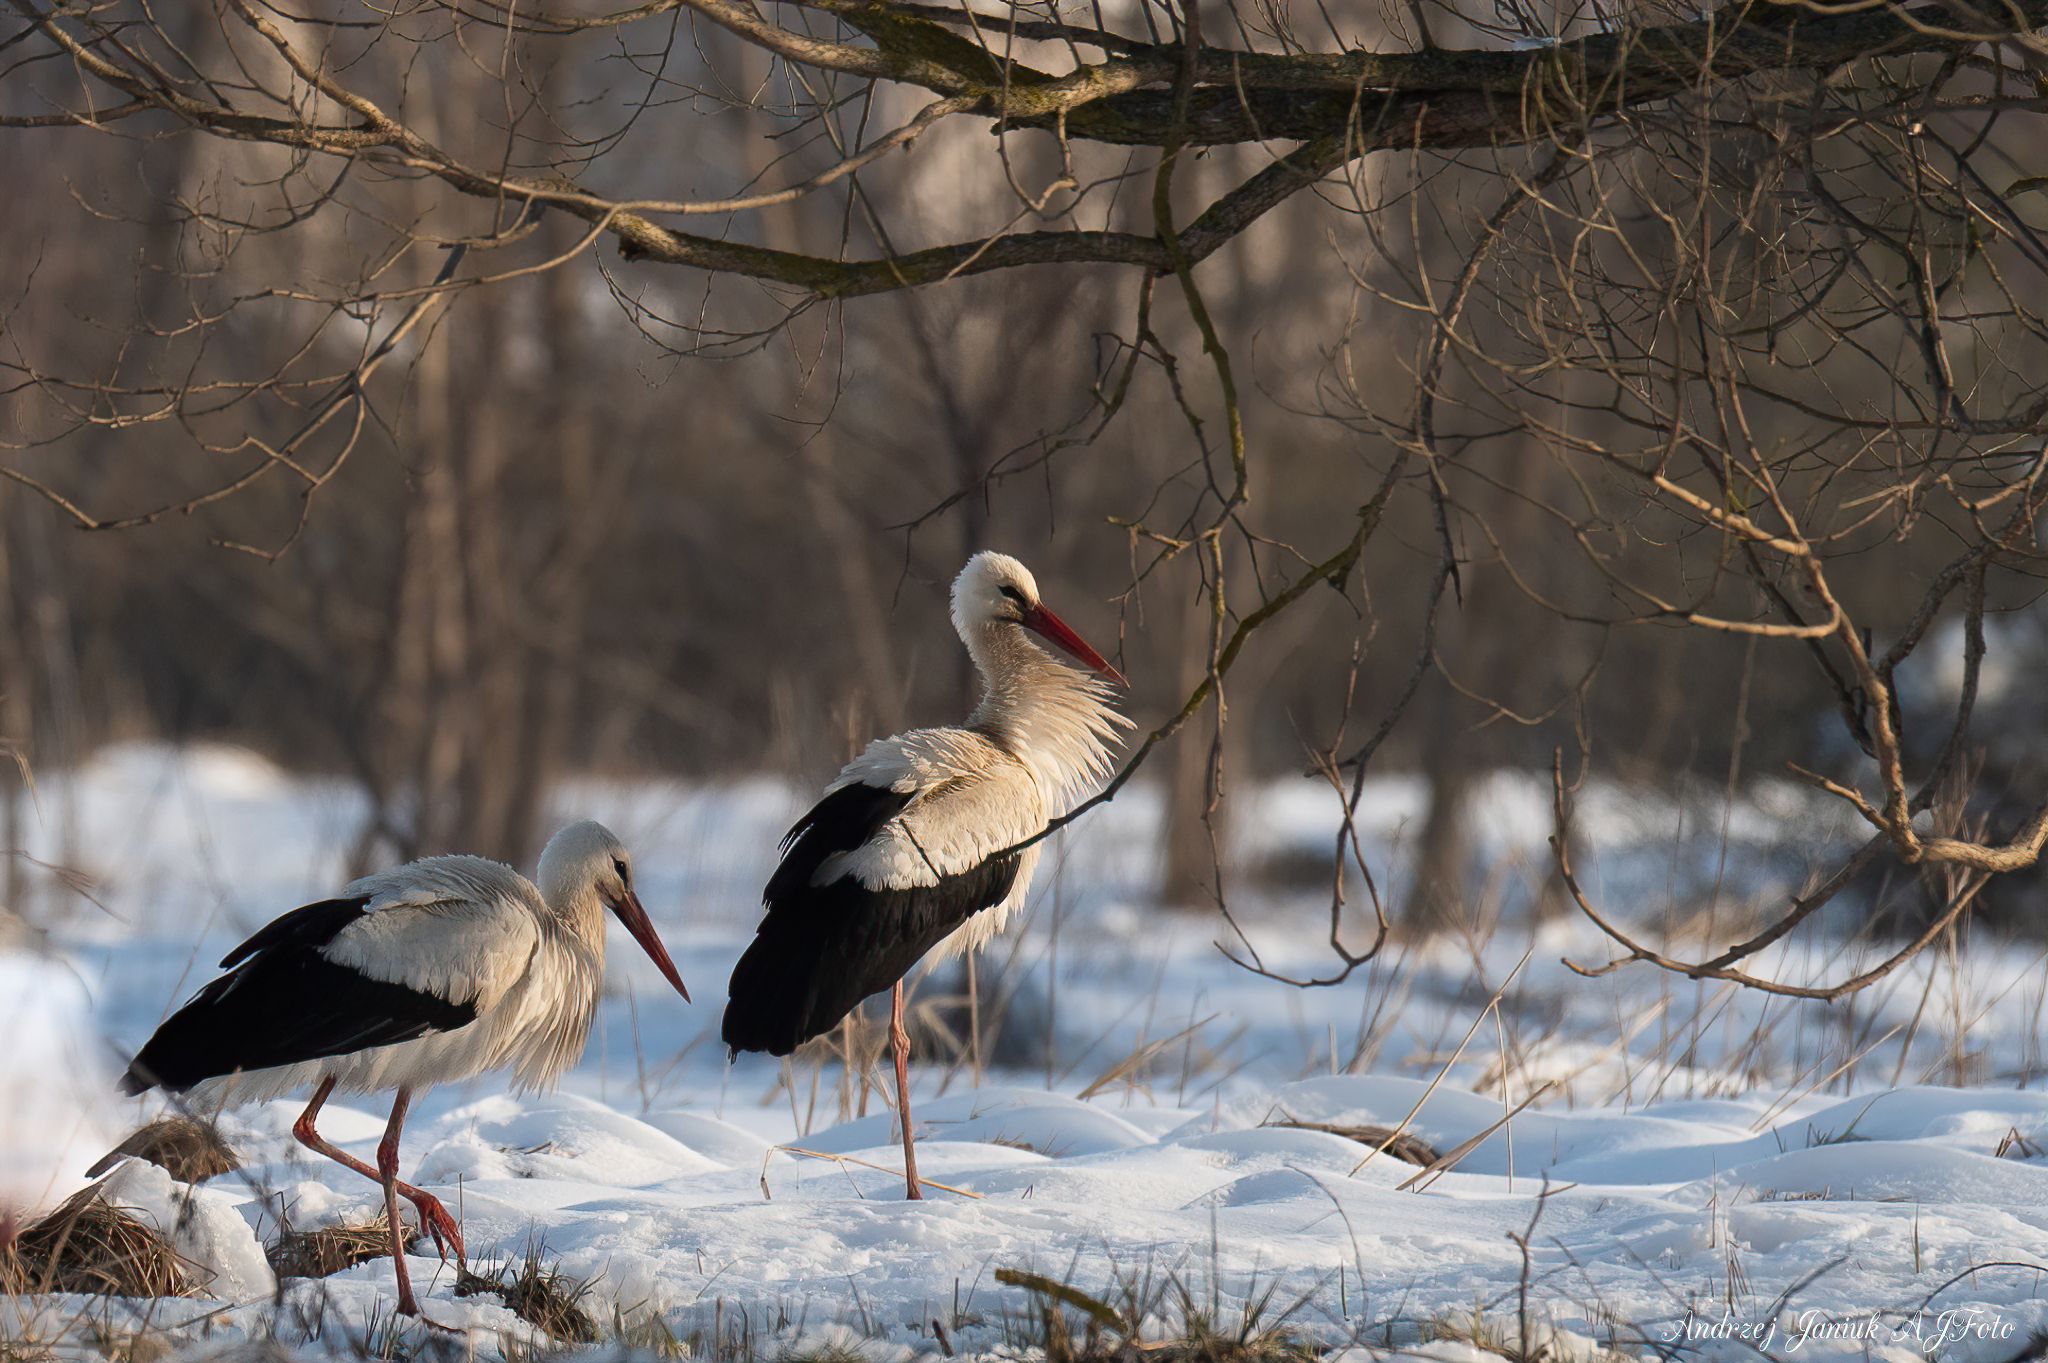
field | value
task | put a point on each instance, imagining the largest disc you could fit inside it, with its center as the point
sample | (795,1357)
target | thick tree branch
(1338,106)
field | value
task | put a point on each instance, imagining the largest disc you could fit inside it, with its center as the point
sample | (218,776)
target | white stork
(911,847)
(422,974)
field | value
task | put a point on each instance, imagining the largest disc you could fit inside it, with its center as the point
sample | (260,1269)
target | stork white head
(996,592)
(587,859)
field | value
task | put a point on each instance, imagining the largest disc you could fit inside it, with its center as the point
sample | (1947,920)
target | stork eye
(619,865)
(1013,594)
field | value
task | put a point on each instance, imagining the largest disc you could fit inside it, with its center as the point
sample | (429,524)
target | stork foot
(438,1225)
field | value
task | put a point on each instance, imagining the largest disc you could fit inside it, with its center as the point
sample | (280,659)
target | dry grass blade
(1402,1146)
(1139,1058)
(922,1181)
(1470,1032)
(189,1151)
(1051,1289)
(2015,1146)
(1437,1168)
(94,1248)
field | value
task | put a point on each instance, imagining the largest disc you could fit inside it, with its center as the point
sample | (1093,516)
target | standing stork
(914,846)
(429,972)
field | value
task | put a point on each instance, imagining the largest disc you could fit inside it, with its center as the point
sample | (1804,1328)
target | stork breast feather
(459,950)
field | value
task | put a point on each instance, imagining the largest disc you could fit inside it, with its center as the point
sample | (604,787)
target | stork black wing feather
(821,949)
(840,822)
(285,1002)
(313,925)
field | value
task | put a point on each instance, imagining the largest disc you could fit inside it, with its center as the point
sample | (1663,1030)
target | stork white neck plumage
(1053,716)
(583,871)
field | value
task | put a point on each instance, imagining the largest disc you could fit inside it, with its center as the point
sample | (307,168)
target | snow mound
(205,1225)
(1023,1118)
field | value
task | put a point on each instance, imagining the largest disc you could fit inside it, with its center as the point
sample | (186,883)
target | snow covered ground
(1692,1163)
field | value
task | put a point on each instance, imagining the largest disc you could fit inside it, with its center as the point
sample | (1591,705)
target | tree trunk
(1188,880)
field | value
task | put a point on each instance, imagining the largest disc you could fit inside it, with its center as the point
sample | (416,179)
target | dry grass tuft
(91,1247)
(328,1250)
(538,1293)
(1271,1346)
(1409,1149)
(190,1151)
(1073,1326)
(1518,1340)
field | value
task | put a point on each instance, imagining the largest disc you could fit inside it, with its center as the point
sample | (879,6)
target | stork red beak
(1056,632)
(635,918)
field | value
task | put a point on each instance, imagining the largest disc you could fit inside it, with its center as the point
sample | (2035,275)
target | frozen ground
(1690,1154)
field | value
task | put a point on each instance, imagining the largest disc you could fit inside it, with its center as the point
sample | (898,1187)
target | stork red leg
(434,1217)
(387,1171)
(899,1041)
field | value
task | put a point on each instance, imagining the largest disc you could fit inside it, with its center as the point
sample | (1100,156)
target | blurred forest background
(613,515)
